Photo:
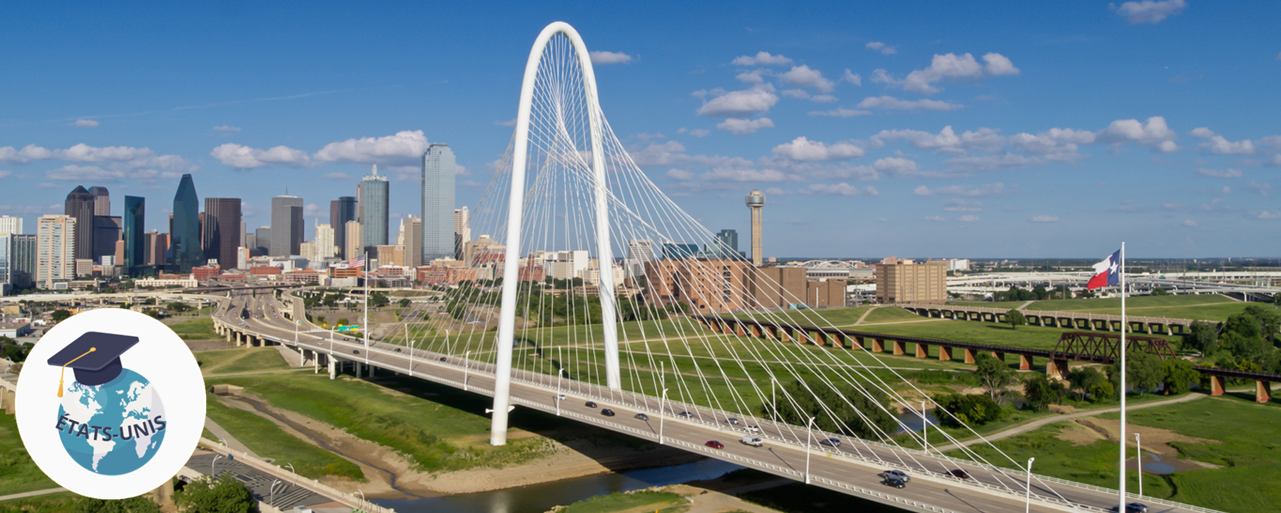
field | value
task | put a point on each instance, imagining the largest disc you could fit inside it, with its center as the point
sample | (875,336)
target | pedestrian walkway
(286,495)
(226,438)
(30,494)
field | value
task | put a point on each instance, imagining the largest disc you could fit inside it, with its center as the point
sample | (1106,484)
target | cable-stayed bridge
(588,285)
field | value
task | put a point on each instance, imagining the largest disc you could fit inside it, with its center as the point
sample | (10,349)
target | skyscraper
(79,205)
(262,237)
(286,225)
(56,249)
(756,201)
(106,231)
(222,230)
(725,245)
(324,242)
(462,231)
(373,210)
(341,210)
(101,201)
(184,234)
(438,202)
(6,263)
(10,225)
(413,243)
(135,236)
(353,248)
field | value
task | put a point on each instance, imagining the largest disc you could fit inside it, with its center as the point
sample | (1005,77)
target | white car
(560,396)
(753,429)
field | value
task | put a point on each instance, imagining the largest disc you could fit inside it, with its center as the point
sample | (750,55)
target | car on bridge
(714,444)
(754,441)
(732,421)
(607,412)
(685,414)
(830,442)
(896,474)
(642,416)
(959,473)
(591,404)
(353,351)
(895,482)
(752,429)
(1133,507)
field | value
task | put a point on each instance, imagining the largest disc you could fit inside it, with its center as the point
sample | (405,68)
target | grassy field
(18,473)
(1249,455)
(194,329)
(1210,307)
(652,500)
(62,501)
(241,359)
(268,441)
(889,314)
(435,435)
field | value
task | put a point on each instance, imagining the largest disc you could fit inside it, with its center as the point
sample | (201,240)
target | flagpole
(366,327)
(1125,326)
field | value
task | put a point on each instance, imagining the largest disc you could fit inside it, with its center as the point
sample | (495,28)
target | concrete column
(1262,391)
(240,338)
(878,345)
(756,330)
(716,326)
(370,368)
(1025,362)
(922,350)
(818,338)
(358,369)
(8,401)
(315,362)
(784,333)
(1056,368)
(228,334)
(998,356)
(970,357)
(738,328)
(838,339)
(945,353)
(333,369)
(771,332)
(900,348)
(1218,384)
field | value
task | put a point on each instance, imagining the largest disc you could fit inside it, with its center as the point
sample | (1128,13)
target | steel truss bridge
(566,198)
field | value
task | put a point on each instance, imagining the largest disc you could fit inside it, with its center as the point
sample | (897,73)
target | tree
(1143,370)
(1015,318)
(1159,292)
(1039,391)
(1203,338)
(968,410)
(1084,379)
(839,410)
(139,504)
(404,303)
(1179,376)
(221,495)
(1040,293)
(59,315)
(994,375)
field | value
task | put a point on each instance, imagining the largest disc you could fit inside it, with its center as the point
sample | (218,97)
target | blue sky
(904,128)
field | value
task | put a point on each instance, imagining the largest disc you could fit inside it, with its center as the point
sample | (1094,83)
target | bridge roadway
(850,469)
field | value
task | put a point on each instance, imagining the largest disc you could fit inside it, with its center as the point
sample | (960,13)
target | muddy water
(542,497)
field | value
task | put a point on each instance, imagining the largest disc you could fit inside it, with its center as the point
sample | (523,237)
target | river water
(542,497)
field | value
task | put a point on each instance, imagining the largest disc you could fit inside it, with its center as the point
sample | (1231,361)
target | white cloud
(1260,187)
(796,93)
(6,174)
(882,47)
(227,128)
(664,154)
(1149,11)
(737,104)
(405,148)
(895,166)
(751,77)
(744,175)
(889,102)
(28,153)
(88,123)
(244,157)
(1155,133)
(1054,144)
(1202,132)
(1045,219)
(101,174)
(510,122)
(1220,146)
(840,113)
(1225,173)
(85,153)
(745,126)
(609,58)
(967,218)
(337,176)
(822,98)
(852,78)
(680,174)
(804,76)
(962,205)
(840,189)
(762,59)
(1269,215)
(991,189)
(1189,223)
(946,141)
(935,219)
(696,132)
(922,190)
(803,149)
(949,67)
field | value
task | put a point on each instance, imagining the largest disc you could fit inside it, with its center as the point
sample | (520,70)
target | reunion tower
(756,201)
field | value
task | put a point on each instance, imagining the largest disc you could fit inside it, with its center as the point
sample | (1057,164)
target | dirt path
(226,438)
(864,316)
(1051,420)
(1024,305)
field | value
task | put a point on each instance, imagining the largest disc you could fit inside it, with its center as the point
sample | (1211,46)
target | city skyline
(954,133)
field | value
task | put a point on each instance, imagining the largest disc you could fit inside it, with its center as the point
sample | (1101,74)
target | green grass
(435,436)
(1211,307)
(1032,337)
(61,501)
(1004,305)
(1249,454)
(889,314)
(268,440)
(624,501)
(18,473)
(250,359)
(195,329)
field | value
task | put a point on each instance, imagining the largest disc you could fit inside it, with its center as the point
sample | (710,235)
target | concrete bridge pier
(878,345)
(922,350)
(1262,391)
(738,329)
(998,356)
(784,334)
(333,369)
(240,339)
(9,400)
(970,357)
(1218,384)
(945,353)
(756,330)
(899,348)
(818,338)
(1025,362)
(1056,368)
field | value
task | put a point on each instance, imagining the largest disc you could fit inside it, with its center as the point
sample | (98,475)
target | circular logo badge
(110,403)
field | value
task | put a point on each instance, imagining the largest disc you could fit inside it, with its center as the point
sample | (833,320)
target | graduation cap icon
(95,357)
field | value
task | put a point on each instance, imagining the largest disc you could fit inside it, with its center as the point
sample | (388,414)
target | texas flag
(1107,272)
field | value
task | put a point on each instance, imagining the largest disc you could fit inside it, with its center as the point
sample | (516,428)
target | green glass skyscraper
(185,239)
(135,235)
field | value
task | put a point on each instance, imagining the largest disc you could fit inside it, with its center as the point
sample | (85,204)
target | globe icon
(113,428)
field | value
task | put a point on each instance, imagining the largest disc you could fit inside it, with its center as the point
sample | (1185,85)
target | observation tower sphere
(756,201)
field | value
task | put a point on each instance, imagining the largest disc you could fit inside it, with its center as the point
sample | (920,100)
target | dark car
(895,474)
(733,421)
(591,404)
(831,442)
(959,473)
(354,351)
(642,416)
(397,349)
(685,414)
(895,482)
(1133,507)
(607,412)
(714,444)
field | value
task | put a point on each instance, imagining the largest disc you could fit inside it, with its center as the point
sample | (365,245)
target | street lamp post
(362,498)
(466,367)
(1139,461)
(1028,509)
(212,465)
(809,432)
(292,473)
(271,499)
(558,376)
(661,413)
(925,429)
